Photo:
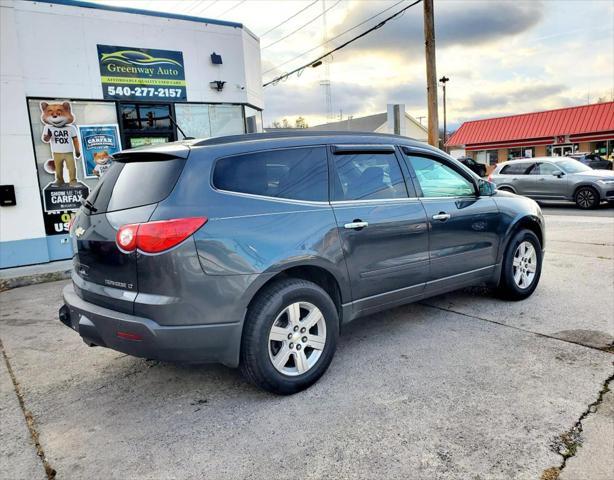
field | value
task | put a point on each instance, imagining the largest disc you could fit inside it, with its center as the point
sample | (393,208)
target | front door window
(439,180)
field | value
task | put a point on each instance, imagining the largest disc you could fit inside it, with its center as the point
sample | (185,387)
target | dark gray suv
(254,250)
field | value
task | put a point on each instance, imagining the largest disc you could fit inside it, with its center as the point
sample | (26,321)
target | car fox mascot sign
(60,133)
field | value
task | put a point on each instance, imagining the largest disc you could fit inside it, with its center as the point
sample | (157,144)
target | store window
(193,119)
(226,120)
(492,157)
(603,149)
(204,121)
(523,152)
(253,120)
(73,145)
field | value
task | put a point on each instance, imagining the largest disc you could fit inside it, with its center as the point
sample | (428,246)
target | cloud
(466,23)
(290,101)
(502,100)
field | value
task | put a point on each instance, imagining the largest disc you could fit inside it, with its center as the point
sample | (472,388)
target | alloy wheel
(586,198)
(297,338)
(524,264)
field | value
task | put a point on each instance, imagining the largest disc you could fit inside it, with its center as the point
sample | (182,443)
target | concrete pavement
(460,386)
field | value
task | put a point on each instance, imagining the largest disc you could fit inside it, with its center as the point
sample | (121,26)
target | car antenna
(179,128)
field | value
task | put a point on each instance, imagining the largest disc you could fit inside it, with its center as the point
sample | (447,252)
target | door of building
(562,150)
(146,124)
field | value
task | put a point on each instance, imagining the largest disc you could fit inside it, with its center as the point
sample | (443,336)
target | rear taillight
(156,237)
(71,222)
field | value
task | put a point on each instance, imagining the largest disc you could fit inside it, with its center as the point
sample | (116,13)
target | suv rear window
(294,173)
(516,169)
(134,184)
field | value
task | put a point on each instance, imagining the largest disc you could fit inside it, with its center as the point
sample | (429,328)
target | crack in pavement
(567,443)
(544,335)
(28,417)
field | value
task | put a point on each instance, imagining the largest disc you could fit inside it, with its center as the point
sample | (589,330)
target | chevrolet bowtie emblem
(79,232)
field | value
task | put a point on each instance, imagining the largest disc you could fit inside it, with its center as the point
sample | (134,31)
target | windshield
(573,166)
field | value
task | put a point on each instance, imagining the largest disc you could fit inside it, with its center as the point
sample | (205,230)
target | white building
(395,120)
(128,77)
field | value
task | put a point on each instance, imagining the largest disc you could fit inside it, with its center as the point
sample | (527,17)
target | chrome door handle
(355,225)
(441,216)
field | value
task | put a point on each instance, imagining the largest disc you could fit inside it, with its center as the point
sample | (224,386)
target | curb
(8,283)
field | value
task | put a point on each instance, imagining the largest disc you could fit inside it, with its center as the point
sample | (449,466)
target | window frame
(367,149)
(538,165)
(268,197)
(448,162)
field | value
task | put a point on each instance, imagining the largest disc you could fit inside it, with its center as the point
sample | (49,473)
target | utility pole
(443,81)
(431,72)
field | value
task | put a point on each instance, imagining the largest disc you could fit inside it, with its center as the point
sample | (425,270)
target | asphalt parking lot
(461,386)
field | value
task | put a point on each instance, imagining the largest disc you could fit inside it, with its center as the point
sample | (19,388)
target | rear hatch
(127,193)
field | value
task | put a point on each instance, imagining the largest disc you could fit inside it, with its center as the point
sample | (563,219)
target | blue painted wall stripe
(18,253)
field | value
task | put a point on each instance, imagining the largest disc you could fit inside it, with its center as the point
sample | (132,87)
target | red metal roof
(586,119)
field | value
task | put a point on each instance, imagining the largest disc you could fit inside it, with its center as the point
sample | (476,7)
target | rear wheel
(522,266)
(289,337)
(587,198)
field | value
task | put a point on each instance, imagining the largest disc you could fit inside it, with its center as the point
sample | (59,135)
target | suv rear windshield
(134,184)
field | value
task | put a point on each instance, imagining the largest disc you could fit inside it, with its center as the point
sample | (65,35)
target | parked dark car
(477,168)
(592,160)
(254,250)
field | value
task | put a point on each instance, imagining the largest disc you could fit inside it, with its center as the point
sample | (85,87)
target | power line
(302,26)
(232,8)
(207,7)
(289,18)
(314,63)
(334,38)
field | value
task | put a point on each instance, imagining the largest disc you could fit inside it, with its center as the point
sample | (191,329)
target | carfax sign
(98,144)
(141,73)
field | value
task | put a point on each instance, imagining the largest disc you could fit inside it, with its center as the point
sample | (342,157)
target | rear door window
(293,173)
(134,184)
(516,169)
(367,176)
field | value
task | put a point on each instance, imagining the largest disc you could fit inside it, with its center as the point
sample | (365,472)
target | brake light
(156,237)
(71,222)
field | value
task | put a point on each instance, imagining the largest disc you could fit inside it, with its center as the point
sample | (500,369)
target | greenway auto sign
(141,73)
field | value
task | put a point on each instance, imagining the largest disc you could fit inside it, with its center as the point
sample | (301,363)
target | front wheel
(522,266)
(587,198)
(289,337)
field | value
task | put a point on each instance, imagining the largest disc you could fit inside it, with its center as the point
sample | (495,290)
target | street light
(443,81)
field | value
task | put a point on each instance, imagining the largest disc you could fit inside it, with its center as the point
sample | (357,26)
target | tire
(587,198)
(511,285)
(274,306)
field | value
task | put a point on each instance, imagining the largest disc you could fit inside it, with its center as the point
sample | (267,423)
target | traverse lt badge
(79,232)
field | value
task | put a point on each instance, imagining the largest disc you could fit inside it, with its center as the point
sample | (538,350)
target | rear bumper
(142,337)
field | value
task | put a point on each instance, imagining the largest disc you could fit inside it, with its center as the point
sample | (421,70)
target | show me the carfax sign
(130,73)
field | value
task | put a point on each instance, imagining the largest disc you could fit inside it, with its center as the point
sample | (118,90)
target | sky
(502,56)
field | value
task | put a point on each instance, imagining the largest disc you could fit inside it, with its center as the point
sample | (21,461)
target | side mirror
(558,174)
(486,188)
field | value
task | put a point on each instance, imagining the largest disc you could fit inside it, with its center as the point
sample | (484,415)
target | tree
(300,122)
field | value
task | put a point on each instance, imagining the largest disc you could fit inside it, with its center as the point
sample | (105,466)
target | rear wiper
(89,205)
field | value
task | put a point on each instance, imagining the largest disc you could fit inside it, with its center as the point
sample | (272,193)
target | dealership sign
(58,198)
(141,73)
